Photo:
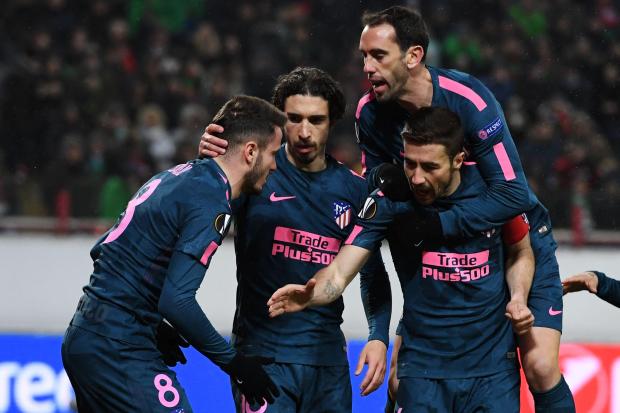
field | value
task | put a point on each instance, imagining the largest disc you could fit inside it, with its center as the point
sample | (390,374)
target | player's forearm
(188,318)
(520,266)
(333,279)
(177,303)
(376,298)
(507,196)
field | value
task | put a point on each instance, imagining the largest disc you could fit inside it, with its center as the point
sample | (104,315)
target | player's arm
(326,286)
(177,303)
(393,381)
(377,301)
(496,157)
(519,273)
(376,298)
(595,282)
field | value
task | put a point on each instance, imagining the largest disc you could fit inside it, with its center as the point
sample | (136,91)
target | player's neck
(418,91)
(454,184)
(234,175)
(317,165)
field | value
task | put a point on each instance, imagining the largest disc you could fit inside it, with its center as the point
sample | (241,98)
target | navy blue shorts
(303,389)
(545,300)
(110,375)
(489,394)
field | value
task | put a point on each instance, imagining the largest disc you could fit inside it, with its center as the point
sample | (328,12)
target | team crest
(222,223)
(369,210)
(342,214)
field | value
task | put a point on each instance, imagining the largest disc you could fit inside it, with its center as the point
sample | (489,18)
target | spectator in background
(57,55)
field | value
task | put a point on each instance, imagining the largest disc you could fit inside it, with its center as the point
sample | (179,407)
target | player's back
(482,118)
(131,259)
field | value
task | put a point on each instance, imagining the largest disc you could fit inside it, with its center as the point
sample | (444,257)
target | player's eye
(292,117)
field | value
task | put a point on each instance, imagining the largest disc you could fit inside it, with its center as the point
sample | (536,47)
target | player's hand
(418,226)
(393,383)
(212,146)
(579,282)
(392,181)
(520,316)
(374,354)
(169,344)
(291,298)
(248,373)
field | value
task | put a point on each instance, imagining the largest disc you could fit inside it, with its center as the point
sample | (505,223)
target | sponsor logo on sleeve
(222,224)
(491,129)
(369,210)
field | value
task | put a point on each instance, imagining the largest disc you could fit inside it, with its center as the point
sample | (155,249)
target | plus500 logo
(34,388)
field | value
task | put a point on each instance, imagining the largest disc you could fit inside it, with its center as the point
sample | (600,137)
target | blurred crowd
(96,96)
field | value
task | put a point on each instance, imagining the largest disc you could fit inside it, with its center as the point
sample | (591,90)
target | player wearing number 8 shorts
(149,266)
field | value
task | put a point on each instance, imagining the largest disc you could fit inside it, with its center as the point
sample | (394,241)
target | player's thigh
(545,299)
(498,393)
(327,389)
(109,375)
(423,396)
(286,379)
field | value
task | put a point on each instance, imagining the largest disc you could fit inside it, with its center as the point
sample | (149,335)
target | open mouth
(378,85)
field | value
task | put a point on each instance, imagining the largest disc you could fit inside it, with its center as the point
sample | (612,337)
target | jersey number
(131,207)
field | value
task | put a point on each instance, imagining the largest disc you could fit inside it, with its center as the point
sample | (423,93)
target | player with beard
(393,44)
(459,351)
(150,264)
(291,230)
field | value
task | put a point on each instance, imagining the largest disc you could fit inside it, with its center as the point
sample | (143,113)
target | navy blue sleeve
(492,148)
(178,305)
(608,289)
(376,298)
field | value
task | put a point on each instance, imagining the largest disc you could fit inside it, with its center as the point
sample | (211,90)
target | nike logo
(274,198)
(418,243)
(553,312)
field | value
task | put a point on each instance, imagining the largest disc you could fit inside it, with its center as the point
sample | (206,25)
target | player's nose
(304,130)
(369,68)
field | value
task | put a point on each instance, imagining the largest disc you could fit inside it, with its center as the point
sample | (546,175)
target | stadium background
(96,96)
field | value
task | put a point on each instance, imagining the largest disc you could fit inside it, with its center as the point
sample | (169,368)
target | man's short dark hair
(313,82)
(435,125)
(408,24)
(247,117)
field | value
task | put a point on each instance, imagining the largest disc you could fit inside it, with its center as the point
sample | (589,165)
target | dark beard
(251,178)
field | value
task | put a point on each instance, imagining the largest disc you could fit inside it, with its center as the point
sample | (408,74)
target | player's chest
(315,205)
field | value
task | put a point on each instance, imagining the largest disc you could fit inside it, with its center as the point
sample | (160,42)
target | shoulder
(465,89)
(365,105)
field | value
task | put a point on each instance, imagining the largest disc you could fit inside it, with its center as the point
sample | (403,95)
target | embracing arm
(326,285)
(519,275)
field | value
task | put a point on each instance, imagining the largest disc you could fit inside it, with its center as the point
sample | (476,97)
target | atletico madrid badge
(342,213)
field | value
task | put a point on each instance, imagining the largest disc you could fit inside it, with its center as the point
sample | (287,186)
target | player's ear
(250,152)
(414,56)
(458,160)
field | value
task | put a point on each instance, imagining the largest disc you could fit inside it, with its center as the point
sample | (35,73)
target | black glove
(418,227)
(169,344)
(249,375)
(392,181)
